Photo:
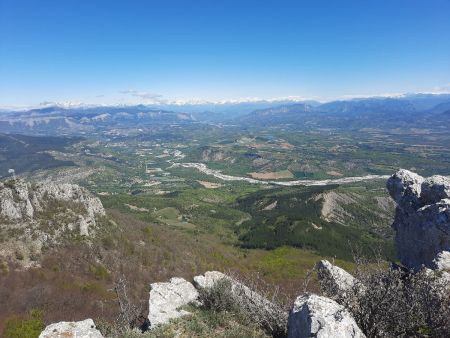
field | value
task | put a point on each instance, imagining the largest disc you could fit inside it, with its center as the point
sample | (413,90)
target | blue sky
(138,51)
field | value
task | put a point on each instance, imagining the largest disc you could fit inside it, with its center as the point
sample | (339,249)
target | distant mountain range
(374,112)
(57,120)
(354,113)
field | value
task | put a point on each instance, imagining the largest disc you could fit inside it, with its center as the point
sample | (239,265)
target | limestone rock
(405,188)
(82,329)
(84,226)
(42,214)
(166,299)
(321,317)
(250,300)
(442,261)
(340,279)
(20,200)
(422,217)
(209,279)
(239,290)
(434,189)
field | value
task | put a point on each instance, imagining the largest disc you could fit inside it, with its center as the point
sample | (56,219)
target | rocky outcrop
(321,317)
(34,215)
(442,261)
(422,219)
(166,299)
(340,280)
(270,315)
(82,329)
(21,201)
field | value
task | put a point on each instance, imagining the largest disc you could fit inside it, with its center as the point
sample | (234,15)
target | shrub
(249,304)
(219,297)
(4,268)
(99,271)
(28,327)
(387,302)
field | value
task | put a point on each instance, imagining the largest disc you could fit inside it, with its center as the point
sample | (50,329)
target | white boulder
(341,281)
(82,329)
(442,261)
(405,187)
(209,279)
(321,317)
(166,299)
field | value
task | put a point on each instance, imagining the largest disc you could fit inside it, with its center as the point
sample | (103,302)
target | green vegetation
(289,263)
(99,271)
(292,216)
(202,323)
(24,327)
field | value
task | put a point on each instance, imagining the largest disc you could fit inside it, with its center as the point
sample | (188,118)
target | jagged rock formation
(422,219)
(321,317)
(166,299)
(36,214)
(340,280)
(82,329)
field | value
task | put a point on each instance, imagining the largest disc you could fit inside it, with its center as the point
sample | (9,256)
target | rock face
(20,200)
(321,317)
(442,261)
(167,298)
(82,329)
(422,218)
(340,280)
(33,215)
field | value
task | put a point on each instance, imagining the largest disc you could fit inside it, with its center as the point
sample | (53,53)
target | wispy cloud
(144,95)
(445,89)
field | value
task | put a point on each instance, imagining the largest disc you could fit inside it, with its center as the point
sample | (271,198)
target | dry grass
(272,175)
(210,185)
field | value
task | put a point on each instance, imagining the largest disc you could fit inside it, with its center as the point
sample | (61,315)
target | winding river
(218,174)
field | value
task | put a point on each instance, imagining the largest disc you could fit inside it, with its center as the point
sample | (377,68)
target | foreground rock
(321,317)
(269,315)
(422,219)
(166,299)
(340,280)
(34,215)
(82,329)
